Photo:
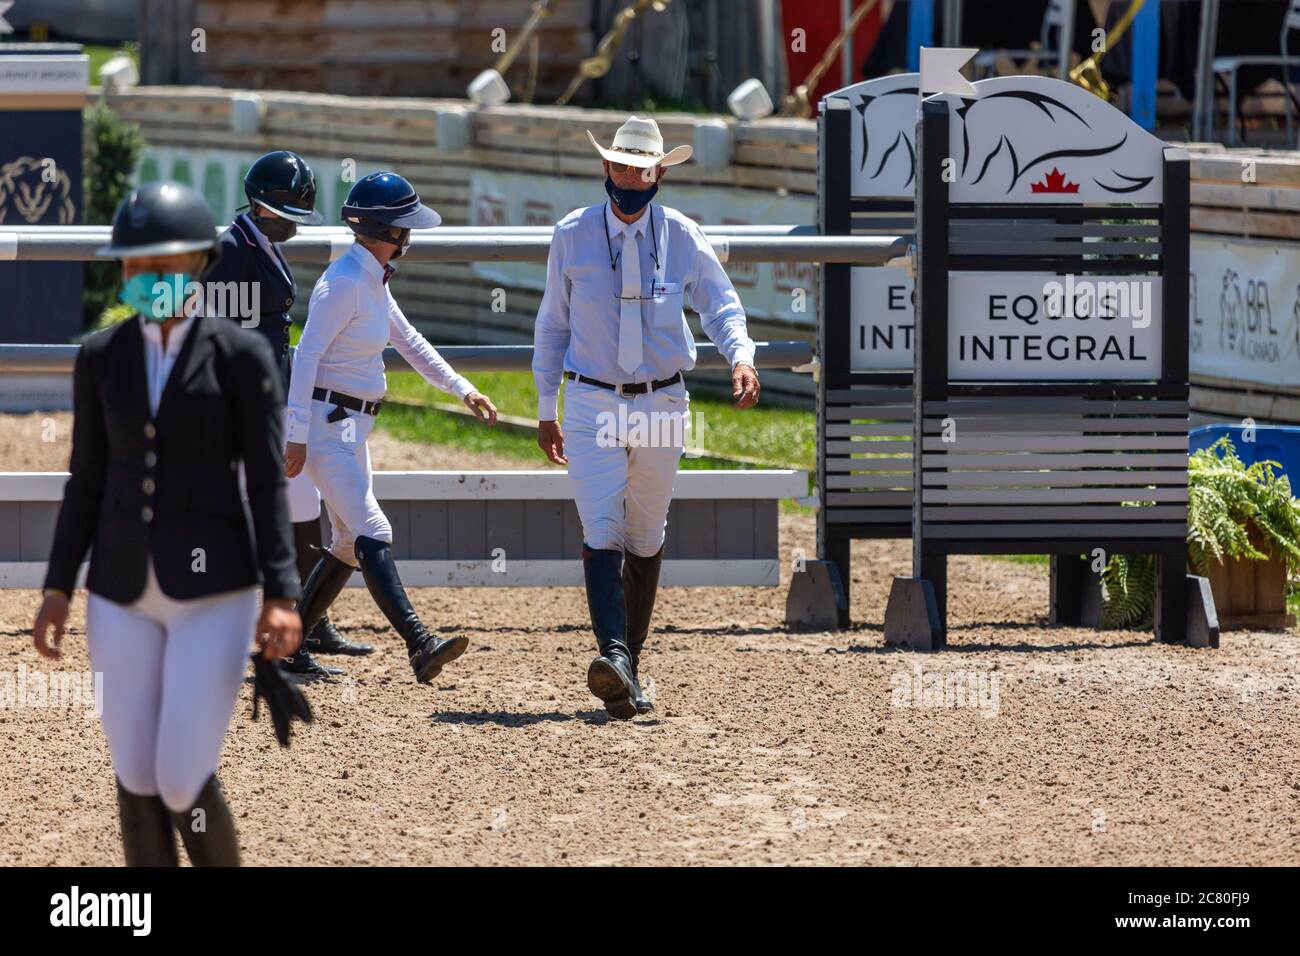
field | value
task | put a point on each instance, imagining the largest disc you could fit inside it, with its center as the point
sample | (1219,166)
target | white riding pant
(623,453)
(172,671)
(338,463)
(304,499)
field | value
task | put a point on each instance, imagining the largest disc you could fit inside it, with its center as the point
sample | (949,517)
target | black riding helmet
(386,206)
(284,183)
(162,219)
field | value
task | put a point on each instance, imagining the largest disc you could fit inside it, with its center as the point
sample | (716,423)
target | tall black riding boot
(207,829)
(610,675)
(324,637)
(640,584)
(322,586)
(147,838)
(426,653)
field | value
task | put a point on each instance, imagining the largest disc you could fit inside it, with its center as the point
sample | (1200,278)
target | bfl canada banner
(1245,311)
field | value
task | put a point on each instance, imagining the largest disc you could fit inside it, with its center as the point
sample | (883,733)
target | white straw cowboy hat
(639,143)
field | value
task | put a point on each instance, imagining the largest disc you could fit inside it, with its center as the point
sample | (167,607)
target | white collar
(367,260)
(152,331)
(616,225)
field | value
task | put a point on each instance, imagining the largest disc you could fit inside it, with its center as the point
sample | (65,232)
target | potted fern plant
(1243,533)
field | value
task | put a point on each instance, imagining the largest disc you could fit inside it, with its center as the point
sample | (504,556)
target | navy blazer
(166,486)
(243,260)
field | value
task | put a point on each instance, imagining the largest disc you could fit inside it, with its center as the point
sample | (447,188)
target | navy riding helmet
(386,206)
(284,183)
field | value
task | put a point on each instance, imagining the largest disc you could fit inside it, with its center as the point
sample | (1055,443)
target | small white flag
(941,70)
(4,8)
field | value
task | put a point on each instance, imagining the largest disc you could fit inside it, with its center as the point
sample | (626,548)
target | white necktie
(629,307)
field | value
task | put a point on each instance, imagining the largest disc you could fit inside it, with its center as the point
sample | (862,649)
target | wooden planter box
(1251,595)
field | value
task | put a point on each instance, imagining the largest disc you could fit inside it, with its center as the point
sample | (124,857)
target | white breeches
(623,454)
(338,463)
(304,499)
(172,671)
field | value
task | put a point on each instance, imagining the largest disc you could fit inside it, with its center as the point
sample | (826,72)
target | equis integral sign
(1020,139)
(884,319)
(1044,327)
(882,167)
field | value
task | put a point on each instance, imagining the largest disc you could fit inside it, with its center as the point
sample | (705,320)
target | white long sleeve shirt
(352,316)
(578,320)
(160,359)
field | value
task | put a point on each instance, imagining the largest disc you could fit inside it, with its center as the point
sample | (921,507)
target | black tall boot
(426,653)
(147,838)
(209,836)
(640,584)
(320,589)
(610,675)
(324,637)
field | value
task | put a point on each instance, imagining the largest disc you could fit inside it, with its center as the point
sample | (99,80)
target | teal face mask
(155,295)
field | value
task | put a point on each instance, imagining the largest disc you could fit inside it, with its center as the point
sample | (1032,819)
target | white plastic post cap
(750,101)
(488,89)
(119,73)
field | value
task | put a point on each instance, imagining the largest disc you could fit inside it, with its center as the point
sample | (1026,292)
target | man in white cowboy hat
(611,322)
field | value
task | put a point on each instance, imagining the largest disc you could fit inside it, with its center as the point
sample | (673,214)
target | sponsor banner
(883,320)
(1018,326)
(1245,308)
(41,159)
(770,290)
(37,392)
(45,73)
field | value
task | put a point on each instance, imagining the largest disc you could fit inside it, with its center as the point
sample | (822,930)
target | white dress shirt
(578,320)
(351,318)
(159,359)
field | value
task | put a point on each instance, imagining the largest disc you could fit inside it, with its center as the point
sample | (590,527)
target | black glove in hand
(284,698)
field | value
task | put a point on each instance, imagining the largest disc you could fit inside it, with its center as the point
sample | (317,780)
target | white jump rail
(493,528)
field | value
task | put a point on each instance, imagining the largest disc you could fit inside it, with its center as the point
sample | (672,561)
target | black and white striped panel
(883,217)
(869,455)
(1063,467)
(1079,239)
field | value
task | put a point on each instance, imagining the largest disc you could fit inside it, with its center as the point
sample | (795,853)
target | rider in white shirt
(334,394)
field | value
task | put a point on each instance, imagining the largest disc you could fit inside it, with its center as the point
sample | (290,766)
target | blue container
(1280,443)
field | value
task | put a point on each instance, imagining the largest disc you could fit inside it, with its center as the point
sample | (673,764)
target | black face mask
(276,228)
(629,201)
(403,243)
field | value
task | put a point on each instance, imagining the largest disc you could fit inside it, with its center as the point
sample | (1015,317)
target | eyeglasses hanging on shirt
(654,255)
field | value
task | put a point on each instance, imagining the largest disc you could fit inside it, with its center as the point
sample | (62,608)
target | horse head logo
(1033,138)
(29,193)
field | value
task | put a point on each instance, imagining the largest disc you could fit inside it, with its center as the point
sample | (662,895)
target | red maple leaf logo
(1054,183)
